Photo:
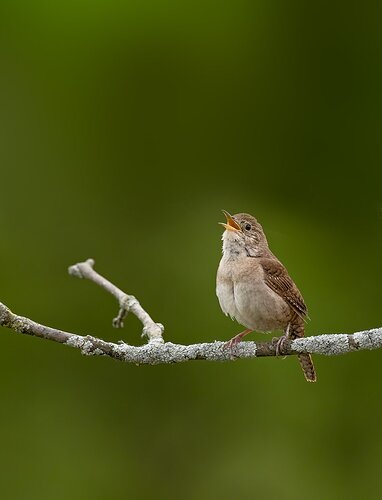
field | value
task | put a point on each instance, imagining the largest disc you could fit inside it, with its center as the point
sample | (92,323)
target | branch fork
(127,303)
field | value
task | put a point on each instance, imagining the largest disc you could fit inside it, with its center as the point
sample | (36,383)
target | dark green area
(125,128)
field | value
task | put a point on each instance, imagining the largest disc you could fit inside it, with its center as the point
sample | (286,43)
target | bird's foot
(281,344)
(231,344)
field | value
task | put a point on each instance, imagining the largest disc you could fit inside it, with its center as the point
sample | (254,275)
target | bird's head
(243,233)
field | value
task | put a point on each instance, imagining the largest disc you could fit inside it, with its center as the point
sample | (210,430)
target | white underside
(253,305)
(242,292)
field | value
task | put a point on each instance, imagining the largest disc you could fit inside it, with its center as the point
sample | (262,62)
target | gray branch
(157,351)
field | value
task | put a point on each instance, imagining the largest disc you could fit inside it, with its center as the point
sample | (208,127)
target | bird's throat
(233,245)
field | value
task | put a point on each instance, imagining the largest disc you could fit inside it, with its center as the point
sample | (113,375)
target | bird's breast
(244,295)
(225,288)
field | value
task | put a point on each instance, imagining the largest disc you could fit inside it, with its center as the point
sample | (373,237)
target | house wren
(254,288)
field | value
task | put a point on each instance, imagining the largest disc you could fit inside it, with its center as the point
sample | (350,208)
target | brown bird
(254,288)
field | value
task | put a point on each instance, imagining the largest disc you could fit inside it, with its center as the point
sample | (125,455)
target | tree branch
(156,351)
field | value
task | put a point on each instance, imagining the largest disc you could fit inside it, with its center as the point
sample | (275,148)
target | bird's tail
(297,330)
(307,367)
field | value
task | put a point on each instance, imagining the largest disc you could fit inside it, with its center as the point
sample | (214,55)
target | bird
(254,288)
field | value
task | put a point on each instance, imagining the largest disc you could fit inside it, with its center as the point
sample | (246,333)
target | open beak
(231,224)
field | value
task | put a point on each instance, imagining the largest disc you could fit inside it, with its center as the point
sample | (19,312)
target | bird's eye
(248,227)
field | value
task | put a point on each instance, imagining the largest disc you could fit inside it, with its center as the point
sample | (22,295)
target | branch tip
(5,315)
(118,320)
(75,271)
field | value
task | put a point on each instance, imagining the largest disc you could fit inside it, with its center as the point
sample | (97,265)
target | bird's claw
(235,340)
(280,345)
(231,345)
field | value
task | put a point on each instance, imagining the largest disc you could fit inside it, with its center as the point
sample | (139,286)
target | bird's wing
(278,279)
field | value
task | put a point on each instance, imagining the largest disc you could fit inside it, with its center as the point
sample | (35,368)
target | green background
(125,127)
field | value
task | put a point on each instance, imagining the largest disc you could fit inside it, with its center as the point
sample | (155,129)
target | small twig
(127,303)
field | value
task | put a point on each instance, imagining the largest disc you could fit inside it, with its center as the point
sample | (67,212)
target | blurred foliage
(125,128)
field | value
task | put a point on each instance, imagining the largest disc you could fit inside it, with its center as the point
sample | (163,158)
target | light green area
(125,127)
